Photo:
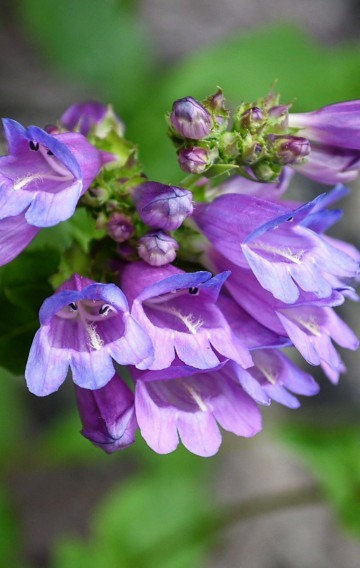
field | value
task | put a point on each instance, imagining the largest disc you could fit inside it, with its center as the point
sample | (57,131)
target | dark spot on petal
(73,306)
(290,219)
(34,145)
(104,309)
(194,291)
(50,153)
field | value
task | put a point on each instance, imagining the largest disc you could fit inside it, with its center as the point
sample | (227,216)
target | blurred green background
(63,504)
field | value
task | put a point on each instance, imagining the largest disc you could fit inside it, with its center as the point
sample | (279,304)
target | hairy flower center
(88,312)
(286,253)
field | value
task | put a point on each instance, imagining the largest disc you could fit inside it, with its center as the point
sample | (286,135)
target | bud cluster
(259,142)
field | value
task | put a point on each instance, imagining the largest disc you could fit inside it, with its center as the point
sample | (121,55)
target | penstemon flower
(41,182)
(219,275)
(84,325)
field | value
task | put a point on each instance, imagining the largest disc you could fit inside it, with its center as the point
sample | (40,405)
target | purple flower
(183,402)
(157,248)
(330,164)
(83,117)
(334,133)
(336,125)
(108,415)
(162,206)
(191,119)
(44,176)
(84,325)
(179,312)
(310,324)
(274,241)
(274,377)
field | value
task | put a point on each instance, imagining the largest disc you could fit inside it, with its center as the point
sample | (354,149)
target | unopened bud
(290,149)
(87,116)
(190,119)
(119,227)
(279,115)
(252,119)
(157,248)
(266,170)
(194,160)
(162,206)
(252,151)
(216,105)
(108,415)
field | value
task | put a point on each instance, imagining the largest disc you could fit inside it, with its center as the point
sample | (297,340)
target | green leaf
(24,285)
(333,456)
(12,414)
(149,522)
(9,533)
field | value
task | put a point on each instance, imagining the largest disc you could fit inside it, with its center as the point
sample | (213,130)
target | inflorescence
(187,318)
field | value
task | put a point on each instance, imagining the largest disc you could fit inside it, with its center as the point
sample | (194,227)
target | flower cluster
(189,322)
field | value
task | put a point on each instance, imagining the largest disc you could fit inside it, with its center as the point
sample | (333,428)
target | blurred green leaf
(11,415)
(9,534)
(245,66)
(333,454)
(101,42)
(149,522)
(24,284)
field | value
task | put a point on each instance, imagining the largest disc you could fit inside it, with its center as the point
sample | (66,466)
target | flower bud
(194,160)
(108,415)
(252,119)
(252,150)
(162,206)
(216,105)
(279,115)
(119,227)
(289,149)
(190,119)
(90,115)
(266,171)
(157,248)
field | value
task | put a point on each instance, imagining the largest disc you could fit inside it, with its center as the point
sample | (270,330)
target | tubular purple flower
(335,125)
(179,312)
(84,325)
(193,160)
(273,240)
(310,324)
(190,119)
(44,176)
(273,376)
(162,206)
(182,402)
(330,164)
(108,415)
(83,117)
(157,248)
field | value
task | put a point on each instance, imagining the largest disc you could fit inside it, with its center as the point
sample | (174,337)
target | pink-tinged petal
(155,422)
(47,367)
(15,235)
(251,385)
(282,396)
(199,433)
